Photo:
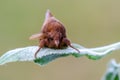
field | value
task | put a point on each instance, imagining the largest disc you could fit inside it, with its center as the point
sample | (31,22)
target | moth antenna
(35,55)
(74,48)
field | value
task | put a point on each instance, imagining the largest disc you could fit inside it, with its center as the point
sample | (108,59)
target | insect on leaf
(46,55)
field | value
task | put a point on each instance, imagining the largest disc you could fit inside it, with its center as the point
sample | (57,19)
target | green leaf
(112,72)
(46,55)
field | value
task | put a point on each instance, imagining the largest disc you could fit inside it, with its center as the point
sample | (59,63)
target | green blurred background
(91,23)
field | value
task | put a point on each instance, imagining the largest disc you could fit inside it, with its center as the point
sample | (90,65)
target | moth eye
(50,39)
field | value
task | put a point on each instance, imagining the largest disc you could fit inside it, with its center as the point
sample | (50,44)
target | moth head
(48,14)
(49,17)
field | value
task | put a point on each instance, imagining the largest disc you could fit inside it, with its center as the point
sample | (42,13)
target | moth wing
(35,36)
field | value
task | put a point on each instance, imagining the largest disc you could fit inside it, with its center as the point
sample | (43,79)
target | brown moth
(52,35)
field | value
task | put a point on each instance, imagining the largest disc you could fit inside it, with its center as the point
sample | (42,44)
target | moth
(52,34)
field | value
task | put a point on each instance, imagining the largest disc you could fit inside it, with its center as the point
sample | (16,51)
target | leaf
(46,55)
(112,72)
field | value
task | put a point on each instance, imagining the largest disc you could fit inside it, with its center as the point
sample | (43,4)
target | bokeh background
(91,23)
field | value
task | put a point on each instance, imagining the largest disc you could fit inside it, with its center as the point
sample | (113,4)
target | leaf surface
(46,55)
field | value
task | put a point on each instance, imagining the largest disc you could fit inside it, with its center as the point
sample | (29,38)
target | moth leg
(67,42)
(35,55)
(41,45)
